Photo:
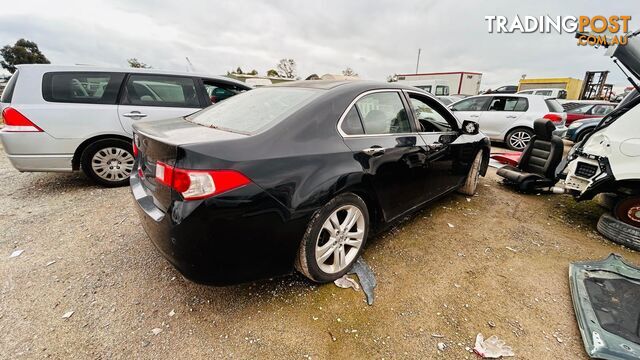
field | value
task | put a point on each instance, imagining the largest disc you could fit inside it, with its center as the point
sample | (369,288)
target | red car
(584,111)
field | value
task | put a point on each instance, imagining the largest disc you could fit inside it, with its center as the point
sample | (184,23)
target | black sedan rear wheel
(334,238)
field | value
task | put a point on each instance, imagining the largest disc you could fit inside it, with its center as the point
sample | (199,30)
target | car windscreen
(554,105)
(254,110)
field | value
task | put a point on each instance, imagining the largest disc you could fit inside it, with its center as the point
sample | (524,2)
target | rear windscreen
(7,94)
(254,110)
(554,105)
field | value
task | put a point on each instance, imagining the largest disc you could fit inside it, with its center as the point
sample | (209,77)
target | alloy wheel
(519,139)
(340,239)
(112,163)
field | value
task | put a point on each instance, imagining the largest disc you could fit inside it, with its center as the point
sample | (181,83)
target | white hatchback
(509,117)
(65,118)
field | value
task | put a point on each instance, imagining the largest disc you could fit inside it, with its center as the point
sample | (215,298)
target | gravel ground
(501,269)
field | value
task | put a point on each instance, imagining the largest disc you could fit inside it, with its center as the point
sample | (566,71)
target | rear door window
(161,90)
(81,87)
(352,125)
(507,103)
(383,113)
(7,94)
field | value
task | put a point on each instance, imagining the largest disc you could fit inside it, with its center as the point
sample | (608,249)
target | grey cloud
(376,38)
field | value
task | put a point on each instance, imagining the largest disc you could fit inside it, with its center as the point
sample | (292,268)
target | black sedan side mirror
(470,127)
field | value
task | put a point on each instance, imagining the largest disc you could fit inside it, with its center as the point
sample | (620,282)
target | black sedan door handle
(373,151)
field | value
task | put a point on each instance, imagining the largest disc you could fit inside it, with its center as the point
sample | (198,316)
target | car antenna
(629,78)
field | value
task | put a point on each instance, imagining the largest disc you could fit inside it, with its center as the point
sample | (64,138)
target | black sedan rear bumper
(235,237)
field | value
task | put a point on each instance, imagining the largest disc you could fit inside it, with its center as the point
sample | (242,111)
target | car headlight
(575,125)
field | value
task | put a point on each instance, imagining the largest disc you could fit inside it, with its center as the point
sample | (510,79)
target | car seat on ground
(540,158)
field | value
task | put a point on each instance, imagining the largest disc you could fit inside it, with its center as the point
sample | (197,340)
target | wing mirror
(470,127)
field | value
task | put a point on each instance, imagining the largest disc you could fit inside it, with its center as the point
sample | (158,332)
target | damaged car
(606,300)
(296,175)
(606,161)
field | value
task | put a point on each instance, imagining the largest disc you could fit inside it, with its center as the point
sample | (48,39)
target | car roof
(347,84)
(48,67)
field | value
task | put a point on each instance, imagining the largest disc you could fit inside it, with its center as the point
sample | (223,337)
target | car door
(378,130)
(157,97)
(471,108)
(502,113)
(443,169)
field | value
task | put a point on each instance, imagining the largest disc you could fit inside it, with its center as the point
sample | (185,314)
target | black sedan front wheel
(334,238)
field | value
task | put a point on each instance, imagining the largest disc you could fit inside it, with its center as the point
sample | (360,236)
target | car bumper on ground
(234,237)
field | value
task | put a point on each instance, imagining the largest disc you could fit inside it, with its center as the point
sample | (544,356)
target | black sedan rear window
(254,110)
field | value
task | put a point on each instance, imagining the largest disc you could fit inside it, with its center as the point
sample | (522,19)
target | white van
(66,118)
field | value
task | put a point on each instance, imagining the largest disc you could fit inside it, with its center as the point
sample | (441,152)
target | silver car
(66,118)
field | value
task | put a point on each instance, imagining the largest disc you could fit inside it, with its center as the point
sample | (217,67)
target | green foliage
(23,52)
(272,73)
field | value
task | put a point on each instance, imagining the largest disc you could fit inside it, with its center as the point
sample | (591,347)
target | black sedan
(296,175)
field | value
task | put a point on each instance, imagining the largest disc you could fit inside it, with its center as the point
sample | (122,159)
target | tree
(349,72)
(287,68)
(23,52)
(253,72)
(272,73)
(238,71)
(392,78)
(134,63)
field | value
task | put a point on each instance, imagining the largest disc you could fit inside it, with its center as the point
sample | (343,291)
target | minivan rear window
(81,87)
(7,94)
(554,105)
(254,110)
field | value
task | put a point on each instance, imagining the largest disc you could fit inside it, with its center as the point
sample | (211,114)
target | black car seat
(539,160)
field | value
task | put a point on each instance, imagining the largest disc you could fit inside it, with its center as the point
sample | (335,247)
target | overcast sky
(375,38)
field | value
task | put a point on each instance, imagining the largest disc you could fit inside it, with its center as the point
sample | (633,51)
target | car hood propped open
(606,299)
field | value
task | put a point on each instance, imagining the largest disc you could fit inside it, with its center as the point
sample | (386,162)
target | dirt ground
(504,261)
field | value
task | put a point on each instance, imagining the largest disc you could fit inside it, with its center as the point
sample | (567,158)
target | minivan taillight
(555,118)
(16,122)
(199,184)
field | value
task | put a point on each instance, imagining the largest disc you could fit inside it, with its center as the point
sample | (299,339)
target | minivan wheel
(517,139)
(108,162)
(471,183)
(334,238)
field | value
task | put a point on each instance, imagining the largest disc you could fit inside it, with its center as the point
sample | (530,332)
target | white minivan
(66,118)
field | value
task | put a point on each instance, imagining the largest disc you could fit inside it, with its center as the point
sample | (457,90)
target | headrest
(544,129)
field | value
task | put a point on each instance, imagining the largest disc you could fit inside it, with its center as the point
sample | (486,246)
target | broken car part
(606,299)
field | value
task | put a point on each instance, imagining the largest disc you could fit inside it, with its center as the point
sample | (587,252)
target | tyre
(471,183)
(334,238)
(108,162)
(619,232)
(518,138)
(627,210)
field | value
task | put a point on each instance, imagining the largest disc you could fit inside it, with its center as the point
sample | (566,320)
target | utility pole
(418,62)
